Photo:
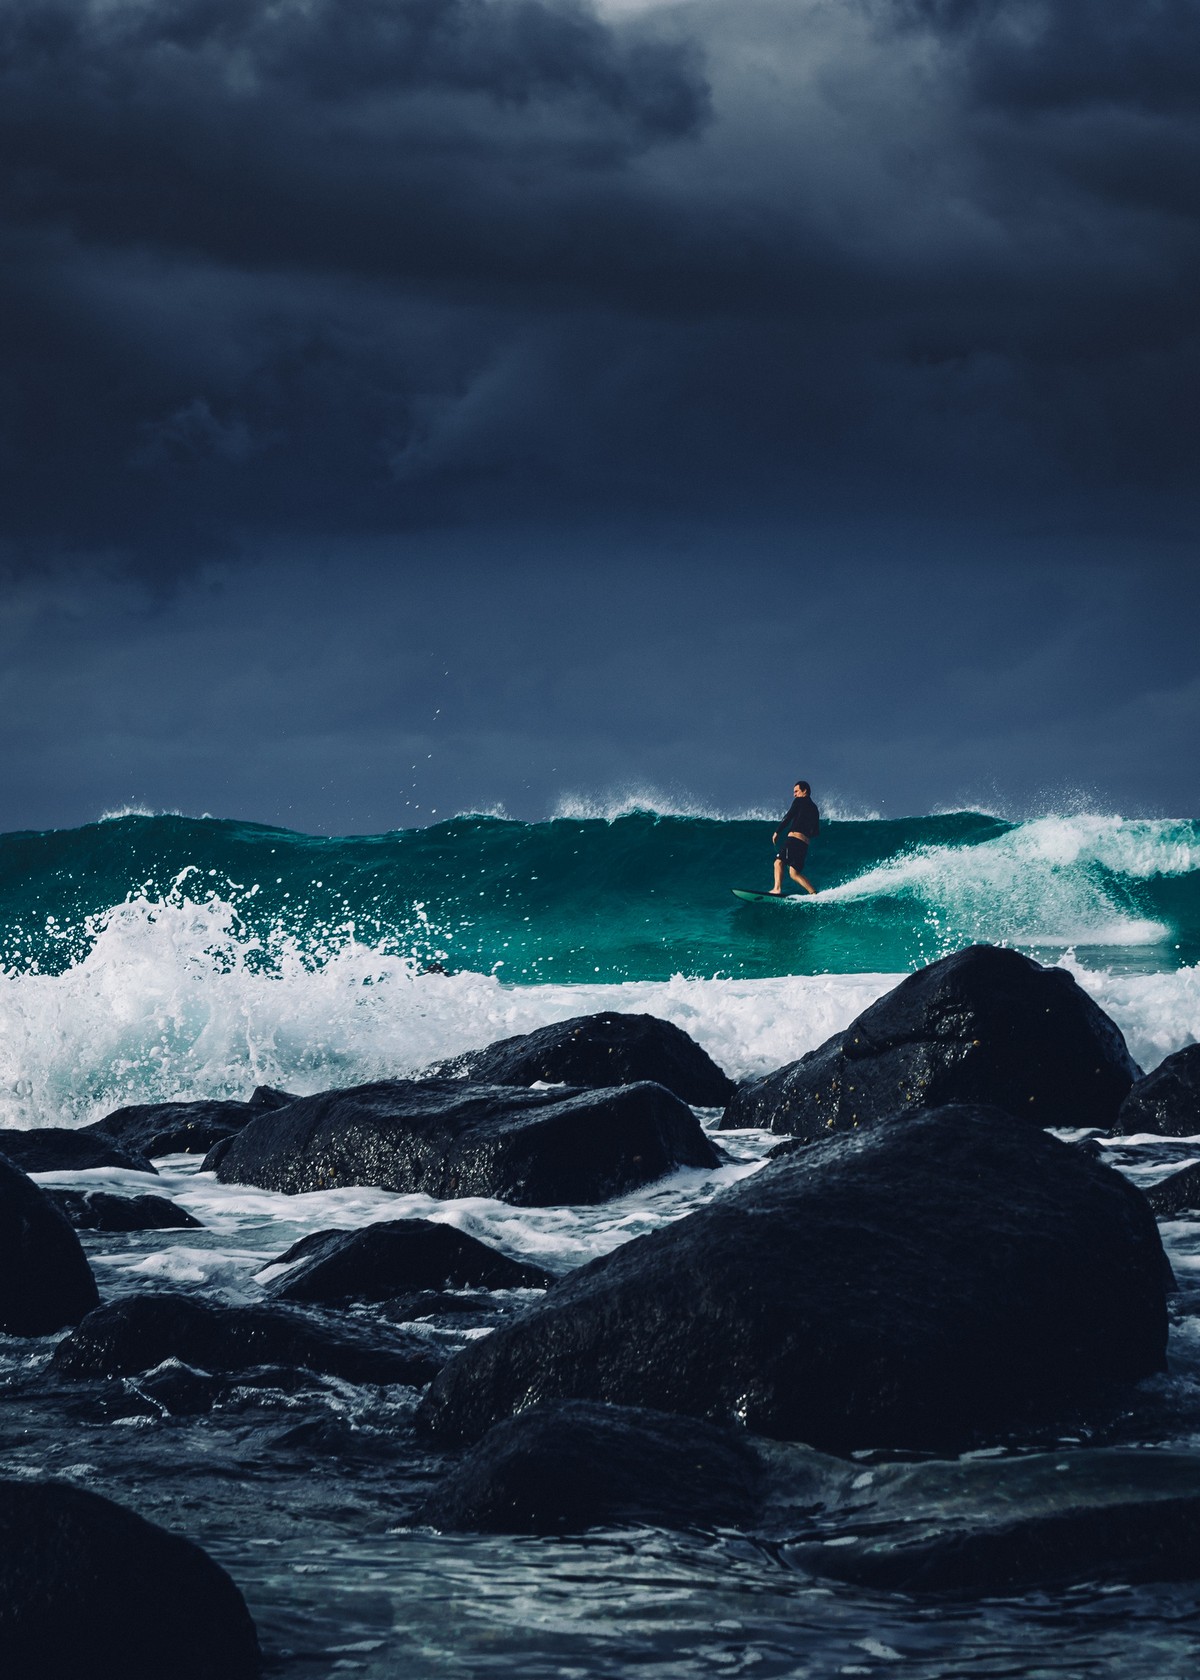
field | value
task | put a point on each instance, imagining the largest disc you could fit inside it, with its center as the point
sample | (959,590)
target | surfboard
(754,897)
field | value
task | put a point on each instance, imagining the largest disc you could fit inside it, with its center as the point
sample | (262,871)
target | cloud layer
(366,265)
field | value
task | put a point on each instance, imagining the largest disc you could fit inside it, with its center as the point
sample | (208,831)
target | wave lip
(647,802)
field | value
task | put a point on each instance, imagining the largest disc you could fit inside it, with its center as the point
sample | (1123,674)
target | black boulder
(399,1255)
(184,1128)
(98,1210)
(982,1026)
(1167,1101)
(914,1285)
(45,1280)
(1177,1193)
(446,1138)
(1006,1525)
(599,1051)
(138,1334)
(575,1464)
(66,1149)
(90,1588)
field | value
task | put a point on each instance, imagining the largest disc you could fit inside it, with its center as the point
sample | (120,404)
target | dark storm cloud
(367,265)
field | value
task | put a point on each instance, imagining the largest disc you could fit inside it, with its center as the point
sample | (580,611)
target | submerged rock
(448,1139)
(173,1389)
(981,1026)
(140,1333)
(89,1588)
(914,1285)
(1167,1101)
(98,1210)
(45,1280)
(184,1128)
(396,1256)
(599,1051)
(1176,1193)
(997,1526)
(575,1464)
(62,1149)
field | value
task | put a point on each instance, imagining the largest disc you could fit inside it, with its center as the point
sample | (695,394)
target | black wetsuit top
(803,816)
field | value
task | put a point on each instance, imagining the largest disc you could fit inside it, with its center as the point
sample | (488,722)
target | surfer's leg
(778,887)
(806,884)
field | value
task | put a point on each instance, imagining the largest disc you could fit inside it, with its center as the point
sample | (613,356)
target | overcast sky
(418,405)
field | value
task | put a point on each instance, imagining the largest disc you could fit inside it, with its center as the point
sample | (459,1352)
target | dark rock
(450,1139)
(89,1588)
(1167,1101)
(184,1128)
(982,1026)
(45,1280)
(977,1526)
(62,1149)
(139,1334)
(1177,1193)
(175,1390)
(97,1210)
(599,1051)
(439,1303)
(575,1464)
(338,1438)
(998,1526)
(914,1285)
(382,1260)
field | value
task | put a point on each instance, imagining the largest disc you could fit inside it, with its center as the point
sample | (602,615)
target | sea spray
(148,958)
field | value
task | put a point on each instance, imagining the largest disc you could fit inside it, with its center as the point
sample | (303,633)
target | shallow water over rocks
(305,1488)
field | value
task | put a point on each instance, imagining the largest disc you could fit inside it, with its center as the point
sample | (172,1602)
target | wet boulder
(598,1051)
(1167,1101)
(98,1210)
(65,1149)
(90,1588)
(1007,1525)
(398,1256)
(576,1464)
(173,1389)
(447,1138)
(922,1284)
(45,1280)
(138,1334)
(982,1026)
(184,1128)
(1176,1194)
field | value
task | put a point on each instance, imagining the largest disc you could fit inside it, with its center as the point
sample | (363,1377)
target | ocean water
(147,958)
(155,957)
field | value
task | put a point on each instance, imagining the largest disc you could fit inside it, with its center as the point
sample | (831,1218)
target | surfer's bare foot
(774,892)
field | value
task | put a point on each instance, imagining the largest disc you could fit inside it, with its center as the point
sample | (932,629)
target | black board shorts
(794,853)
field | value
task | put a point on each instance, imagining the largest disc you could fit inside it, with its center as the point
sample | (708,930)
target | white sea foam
(171,1002)
(1049,882)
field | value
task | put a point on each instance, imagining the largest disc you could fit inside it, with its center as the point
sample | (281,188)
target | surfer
(799,825)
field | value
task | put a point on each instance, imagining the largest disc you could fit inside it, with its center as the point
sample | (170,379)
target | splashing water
(149,958)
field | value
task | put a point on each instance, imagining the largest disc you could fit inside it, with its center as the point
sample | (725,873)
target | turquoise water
(641,897)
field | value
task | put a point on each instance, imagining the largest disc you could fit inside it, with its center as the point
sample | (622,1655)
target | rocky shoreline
(732,1369)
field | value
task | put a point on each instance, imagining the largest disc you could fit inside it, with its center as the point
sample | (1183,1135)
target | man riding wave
(800,824)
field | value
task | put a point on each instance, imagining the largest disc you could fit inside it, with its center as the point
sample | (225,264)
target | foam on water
(173,1000)
(151,958)
(1040,881)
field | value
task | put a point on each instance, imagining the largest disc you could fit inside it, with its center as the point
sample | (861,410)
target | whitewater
(145,958)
